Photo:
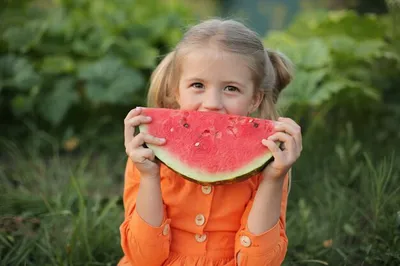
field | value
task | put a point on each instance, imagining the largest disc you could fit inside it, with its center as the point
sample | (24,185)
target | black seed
(205,133)
(186,125)
(255,125)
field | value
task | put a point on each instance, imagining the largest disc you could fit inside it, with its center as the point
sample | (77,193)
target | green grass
(67,209)
(60,211)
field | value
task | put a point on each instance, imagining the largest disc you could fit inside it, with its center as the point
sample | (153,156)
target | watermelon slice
(209,147)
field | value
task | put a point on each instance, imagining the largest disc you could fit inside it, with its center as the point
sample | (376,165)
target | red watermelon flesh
(209,147)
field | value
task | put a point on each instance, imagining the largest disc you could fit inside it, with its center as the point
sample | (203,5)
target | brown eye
(231,88)
(197,85)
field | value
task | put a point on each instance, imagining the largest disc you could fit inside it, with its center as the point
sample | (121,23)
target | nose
(212,100)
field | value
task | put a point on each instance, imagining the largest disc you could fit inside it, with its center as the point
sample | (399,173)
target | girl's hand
(142,157)
(289,134)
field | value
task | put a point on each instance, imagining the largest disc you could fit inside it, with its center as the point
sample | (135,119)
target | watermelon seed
(251,120)
(186,125)
(232,130)
(218,134)
(197,144)
(255,125)
(206,133)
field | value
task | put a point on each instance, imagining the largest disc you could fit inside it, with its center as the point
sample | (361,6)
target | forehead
(211,63)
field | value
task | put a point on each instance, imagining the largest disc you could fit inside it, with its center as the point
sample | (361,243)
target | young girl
(219,66)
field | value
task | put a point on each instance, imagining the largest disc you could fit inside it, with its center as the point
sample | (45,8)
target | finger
(288,120)
(143,138)
(292,129)
(289,130)
(134,112)
(286,139)
(141,155)
(130,124)
(289,126)
(129,131)
(277,153)
(137,120)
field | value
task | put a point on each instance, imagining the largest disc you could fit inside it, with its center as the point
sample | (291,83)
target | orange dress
(202,226)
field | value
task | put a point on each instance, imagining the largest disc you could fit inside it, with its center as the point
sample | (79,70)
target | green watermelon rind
(207,178)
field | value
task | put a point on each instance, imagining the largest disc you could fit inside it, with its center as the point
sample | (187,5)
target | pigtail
(283,69)
(283,72)
(161,87)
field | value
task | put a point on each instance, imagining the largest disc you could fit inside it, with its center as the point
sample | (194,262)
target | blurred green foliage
(345,96)
(70,70)
(70,66)
(347,68)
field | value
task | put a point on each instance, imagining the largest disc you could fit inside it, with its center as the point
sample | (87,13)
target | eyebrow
(234,82)
(191,79)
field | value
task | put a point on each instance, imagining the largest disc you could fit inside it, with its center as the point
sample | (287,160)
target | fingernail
(148,118)
(162,139)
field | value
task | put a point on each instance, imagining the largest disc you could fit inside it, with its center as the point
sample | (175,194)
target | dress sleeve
(268,248)
(141,243)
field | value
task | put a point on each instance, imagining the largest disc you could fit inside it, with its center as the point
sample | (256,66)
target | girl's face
(213,80)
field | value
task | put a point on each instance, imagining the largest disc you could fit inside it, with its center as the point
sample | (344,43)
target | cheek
(187,100)
(240,106)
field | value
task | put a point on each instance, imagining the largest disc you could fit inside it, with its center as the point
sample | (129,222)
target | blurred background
(70,70)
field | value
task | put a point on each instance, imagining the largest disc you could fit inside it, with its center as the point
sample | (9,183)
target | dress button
(200,238)
(165,230)
(206,189)
(200,219)
(245,241)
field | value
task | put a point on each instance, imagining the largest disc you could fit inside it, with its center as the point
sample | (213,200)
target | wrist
(273,182)
(273,176)
(151,179)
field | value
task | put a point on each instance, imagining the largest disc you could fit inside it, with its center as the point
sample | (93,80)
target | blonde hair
(271,70)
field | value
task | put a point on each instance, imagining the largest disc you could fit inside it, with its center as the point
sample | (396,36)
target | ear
(257,99)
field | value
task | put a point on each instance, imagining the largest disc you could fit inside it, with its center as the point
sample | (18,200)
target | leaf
(365,90)
(357,72)
(314,54)
(22,104)
(285,43)
(58,64)
(368,49)
(326,91)
(116,91)
(341,22)
(349,229)
(303,87)
(102,70)
(94,43)
(342,44)
(17,72)
(56,104)
(140,53)
(25,37)
(109,81)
